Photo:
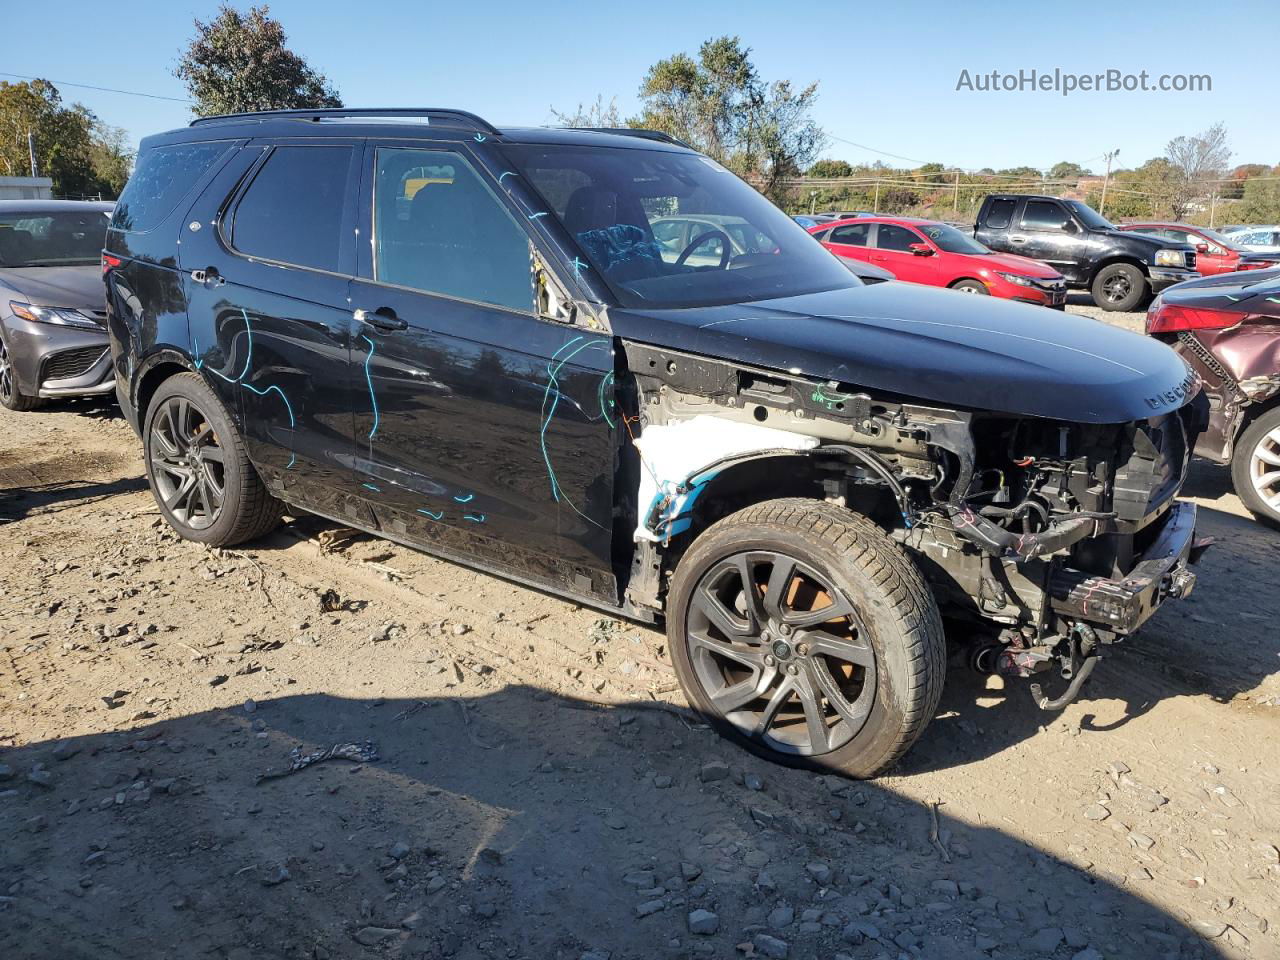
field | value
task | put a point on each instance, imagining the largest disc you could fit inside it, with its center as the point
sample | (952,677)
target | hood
(1012,263)
(1145,239)
(1255,292)
(935,345)
(79,288)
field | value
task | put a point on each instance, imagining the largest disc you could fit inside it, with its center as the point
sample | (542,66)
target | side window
(1042,215)
(1000,213)
(161,178)
(892,237)
(438,228)
(292,211)
(854,234)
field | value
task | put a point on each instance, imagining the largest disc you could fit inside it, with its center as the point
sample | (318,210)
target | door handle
(209,275)
(1017,239)
(384,319)
(878,256)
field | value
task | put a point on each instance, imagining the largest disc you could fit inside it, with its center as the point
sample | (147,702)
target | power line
(87,86)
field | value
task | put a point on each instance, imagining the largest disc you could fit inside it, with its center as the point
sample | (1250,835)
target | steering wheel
(726,247)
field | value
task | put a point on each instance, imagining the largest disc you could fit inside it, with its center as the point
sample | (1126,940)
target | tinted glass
(292,212)
(892,237)
(161,178)
(52,239)
(854,234)
(1089,216)
(439,229)
(608,200)
(1000,213)
(1040,215)
(950,240)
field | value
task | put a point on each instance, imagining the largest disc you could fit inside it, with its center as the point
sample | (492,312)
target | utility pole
(1213,203)
(955,200)
(31,152)
(1102,206)
(876,208)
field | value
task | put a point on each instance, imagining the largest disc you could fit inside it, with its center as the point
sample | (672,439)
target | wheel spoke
(170,466)
(852,713)
(215,491)
(752,602)
(212,453)
(180,498)
(770,713)
(710,606)
(814,721)
(837,609)
(1264,482)
(738,695)
(775,598)
(855,650)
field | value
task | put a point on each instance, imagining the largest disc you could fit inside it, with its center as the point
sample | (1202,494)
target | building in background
(26,188)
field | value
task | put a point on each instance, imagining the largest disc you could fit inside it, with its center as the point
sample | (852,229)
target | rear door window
(161,178)
(1000,213)
(438,228)
(854,234)
(292,211)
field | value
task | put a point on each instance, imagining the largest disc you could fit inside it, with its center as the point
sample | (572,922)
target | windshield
(1213,236)
(670,229)
(1089,216)
(950,240)
(52,239)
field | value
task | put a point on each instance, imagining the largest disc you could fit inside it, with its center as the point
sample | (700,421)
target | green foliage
(719,104)
(1067,171)
(83,156)
(598,114)
(1261,200)
(829,169)
(239,62)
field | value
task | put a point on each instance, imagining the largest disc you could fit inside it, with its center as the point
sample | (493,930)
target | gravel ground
(520,778)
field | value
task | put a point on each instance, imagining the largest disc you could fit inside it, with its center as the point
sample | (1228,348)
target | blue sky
(887,75)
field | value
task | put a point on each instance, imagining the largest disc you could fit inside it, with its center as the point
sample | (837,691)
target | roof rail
(645,134)
(441,115)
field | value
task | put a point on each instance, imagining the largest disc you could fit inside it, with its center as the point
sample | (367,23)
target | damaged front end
(1053,538)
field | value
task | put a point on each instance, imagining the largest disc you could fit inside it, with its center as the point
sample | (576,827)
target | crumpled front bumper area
(1122,605)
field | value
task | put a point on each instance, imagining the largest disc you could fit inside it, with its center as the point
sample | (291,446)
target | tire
(190,445)
(11,396)
(1120,287)
(971,286)
(879,669)
(1255,468)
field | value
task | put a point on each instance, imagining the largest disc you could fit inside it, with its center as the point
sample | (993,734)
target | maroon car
(1228,328)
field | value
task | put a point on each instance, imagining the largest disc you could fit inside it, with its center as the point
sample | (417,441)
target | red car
(1214,253)
(937,254)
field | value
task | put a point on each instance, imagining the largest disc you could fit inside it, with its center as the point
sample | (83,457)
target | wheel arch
(157,368)
(959,280)
(1114,258)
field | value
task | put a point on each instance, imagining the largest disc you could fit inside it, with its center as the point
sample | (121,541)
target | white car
(1263,239)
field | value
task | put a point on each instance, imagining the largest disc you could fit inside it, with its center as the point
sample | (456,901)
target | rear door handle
(384,319)
(1017,239)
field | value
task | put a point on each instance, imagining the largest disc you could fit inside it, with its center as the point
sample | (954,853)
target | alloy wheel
(6,375)
(187,464)
(1264,469)
(1117,288)
(780,653)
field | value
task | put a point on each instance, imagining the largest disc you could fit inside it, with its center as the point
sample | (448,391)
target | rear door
(853,240)
(482,429)
(1048,233)
(269,265)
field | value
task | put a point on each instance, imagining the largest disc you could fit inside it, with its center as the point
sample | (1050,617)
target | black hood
(1255,292)
(79,288)
(935,345)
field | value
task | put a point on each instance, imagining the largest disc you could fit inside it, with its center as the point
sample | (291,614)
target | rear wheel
(1255,468)
(1120,287)
(806,635)
(199,472)
(11,397)
(971,286)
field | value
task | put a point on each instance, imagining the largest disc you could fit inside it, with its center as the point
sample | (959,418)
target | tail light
(1168,318)
(1255,265)
(110,263)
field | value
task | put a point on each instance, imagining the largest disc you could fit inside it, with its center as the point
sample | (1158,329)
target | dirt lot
(539,790)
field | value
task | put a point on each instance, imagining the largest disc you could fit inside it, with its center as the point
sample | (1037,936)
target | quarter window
(438,228)
(292,212)
(162,177)
(854,235)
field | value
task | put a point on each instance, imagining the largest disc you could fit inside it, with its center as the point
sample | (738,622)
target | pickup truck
(1121,270)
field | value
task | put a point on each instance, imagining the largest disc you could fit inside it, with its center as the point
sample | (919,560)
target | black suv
(474,341)
(1121,270)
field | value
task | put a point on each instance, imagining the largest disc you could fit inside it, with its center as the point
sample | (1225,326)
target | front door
(1049,234)
(482,429)
(269,269)
(893,252)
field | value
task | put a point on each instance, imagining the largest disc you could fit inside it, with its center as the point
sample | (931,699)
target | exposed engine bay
(1051,539)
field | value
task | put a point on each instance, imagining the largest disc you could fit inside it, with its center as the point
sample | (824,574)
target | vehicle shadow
(514,823)
(16,503)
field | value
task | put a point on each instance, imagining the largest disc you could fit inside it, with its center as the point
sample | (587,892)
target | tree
(598,114)
(719,104)
(239,62)
(1066,170)
(829,170)
(83,156)
(1194,160)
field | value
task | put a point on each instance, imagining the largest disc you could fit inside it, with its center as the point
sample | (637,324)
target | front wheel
(199,472)
(1255,468)
(806,635)
(11,396)
(971,286)
(1120,287)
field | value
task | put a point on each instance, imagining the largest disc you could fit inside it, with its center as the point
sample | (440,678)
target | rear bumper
(56,361)
(1123,605)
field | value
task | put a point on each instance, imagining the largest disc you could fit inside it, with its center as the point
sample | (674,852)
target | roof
(53,206)
(426,123)
(887,218)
